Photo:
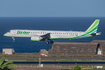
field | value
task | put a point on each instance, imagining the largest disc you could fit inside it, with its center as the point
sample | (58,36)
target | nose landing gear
(13,39)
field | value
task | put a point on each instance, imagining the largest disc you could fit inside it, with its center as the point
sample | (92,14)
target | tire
(47,42)
(51,42)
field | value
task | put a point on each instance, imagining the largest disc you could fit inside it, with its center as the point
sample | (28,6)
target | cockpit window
(6,32)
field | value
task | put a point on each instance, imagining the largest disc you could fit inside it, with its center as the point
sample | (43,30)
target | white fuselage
(53,34)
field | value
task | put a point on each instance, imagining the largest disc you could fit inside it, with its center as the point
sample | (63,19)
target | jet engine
(35,38)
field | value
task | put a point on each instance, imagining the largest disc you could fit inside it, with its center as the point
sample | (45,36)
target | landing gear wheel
(47,42)
(51,42)
(13,40)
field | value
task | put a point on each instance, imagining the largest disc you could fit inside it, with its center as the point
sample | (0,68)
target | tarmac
(44,58)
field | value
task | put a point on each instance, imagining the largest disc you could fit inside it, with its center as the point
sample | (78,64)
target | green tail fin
(93,28)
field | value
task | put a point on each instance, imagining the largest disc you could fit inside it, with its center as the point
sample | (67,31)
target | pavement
(44,58)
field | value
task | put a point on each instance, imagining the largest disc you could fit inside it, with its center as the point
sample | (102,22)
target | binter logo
(22,32)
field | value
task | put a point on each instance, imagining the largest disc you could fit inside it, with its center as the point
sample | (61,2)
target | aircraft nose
(5,34)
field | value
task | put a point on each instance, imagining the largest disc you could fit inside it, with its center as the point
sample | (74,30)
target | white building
(8,51)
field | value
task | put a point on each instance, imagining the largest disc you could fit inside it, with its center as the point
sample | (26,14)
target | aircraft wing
(46,36)
(40,37)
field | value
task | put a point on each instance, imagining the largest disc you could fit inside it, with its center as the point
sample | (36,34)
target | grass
(37,55)
(6,55)
(62,55)
(32,60)
(61,60)
(54,56)
(54,60)
(84,67)
(64,60)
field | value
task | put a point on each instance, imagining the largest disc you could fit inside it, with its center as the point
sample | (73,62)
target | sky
(52,8)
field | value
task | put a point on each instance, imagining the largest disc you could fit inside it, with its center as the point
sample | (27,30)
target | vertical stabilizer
(93,28)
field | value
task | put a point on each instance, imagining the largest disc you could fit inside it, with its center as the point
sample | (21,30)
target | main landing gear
(51,42)
(13,39)
(47,42)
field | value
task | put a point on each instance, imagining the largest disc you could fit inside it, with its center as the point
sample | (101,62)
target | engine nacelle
(36,39)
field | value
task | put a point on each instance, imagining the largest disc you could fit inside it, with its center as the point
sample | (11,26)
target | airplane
(45,35)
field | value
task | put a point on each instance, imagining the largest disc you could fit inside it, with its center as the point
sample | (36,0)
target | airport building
(8,51)
(95,47)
